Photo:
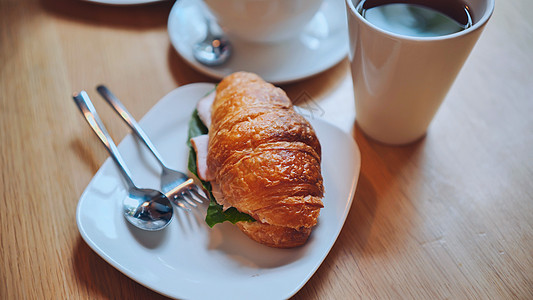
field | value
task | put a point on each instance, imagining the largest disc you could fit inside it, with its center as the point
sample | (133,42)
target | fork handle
(128,118)
(87,109)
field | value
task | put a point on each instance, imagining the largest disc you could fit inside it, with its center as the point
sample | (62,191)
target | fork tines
(187,193)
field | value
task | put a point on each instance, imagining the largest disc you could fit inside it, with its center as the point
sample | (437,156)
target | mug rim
(479,24)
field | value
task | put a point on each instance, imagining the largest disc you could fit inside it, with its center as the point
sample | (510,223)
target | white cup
(263,21)
(400,81)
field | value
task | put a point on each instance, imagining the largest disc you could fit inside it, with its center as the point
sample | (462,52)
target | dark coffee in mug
(417,18)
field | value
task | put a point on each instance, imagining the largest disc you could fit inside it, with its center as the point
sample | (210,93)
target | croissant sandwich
(260,161)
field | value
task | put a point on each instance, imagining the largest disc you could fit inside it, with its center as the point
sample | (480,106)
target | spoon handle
(89,112)
(128,118)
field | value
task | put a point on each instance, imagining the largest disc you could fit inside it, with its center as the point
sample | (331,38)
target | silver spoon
(170,179)
(214,49)
(146,209)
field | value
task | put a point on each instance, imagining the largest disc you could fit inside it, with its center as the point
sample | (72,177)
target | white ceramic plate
(322,44)
(188,259)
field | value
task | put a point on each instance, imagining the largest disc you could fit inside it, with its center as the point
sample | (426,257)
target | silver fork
(178,187)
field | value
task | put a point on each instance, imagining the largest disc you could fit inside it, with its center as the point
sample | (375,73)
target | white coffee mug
(400,81)
(263,21)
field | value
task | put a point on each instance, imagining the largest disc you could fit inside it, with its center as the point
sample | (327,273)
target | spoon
(170,179)
(146,209)
(214,49)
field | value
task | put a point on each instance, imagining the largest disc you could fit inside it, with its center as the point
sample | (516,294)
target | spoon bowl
(214,49)
(147,209)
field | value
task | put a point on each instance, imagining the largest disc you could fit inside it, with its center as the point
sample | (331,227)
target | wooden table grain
(449,217)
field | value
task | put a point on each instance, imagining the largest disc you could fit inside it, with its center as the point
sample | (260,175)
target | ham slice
(200,144)
(204,108)
(217,193)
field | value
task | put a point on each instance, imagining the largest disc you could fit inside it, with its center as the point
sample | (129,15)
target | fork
(178,187)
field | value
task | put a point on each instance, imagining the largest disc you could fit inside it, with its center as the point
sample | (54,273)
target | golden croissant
(263,158)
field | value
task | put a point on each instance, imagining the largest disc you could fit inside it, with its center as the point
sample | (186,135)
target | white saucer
(323,43)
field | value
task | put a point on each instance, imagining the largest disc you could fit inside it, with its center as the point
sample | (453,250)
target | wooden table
(449,217)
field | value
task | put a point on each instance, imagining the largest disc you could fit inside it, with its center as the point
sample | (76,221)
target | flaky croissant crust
(266,160)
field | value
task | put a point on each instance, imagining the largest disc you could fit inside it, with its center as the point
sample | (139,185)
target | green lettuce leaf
(215,213)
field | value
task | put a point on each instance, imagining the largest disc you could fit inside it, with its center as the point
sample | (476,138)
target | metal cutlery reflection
(215,49)
(146,209)
(178,187)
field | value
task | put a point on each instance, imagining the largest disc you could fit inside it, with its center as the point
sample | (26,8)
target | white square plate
(188,259)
